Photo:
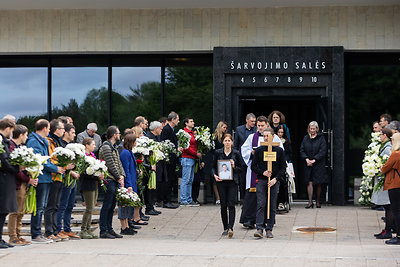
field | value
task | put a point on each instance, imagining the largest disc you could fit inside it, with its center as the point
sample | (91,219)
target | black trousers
(394,197)
(195,190)
(390,224)
(50,212)
(2,220)
(262,194)
(150,198)
(249,208)
(227,193)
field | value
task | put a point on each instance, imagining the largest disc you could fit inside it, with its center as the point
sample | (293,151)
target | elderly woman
(381,198)
(391,171)
(313,153)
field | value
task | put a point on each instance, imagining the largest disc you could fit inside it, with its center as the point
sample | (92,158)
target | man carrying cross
(268,179)
(249,209)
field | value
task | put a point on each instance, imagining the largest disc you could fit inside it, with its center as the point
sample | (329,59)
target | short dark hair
(172,115)
(388,132)
(186,120)
(55,124)
(386,117)
(5,123)
(41,124)
(63,119)
(111,131)
(139,120)
(68,127)
(129,141)
(162,119)
(262,119)
(18,130)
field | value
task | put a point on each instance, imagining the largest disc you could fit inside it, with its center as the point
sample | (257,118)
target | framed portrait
(225,171)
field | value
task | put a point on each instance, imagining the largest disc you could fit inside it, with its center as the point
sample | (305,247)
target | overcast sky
(24,90)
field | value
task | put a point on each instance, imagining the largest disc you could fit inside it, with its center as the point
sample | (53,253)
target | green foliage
(189,92)
(373,90)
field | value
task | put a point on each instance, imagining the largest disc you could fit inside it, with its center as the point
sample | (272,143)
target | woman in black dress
(228,188)
(218,137)
(313,153)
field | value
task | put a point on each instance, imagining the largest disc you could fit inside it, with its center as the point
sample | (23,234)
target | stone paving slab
(191,236)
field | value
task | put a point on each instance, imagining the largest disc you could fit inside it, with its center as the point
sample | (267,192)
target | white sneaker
(217,202)
(41,240)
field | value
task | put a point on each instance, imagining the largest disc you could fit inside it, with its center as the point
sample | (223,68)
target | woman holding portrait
(227,188)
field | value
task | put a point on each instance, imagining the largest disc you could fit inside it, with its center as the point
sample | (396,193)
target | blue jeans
(64,212)
(187,180)
(42,194)
(107,210)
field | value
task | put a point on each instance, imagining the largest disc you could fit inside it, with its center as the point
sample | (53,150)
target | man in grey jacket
(109,153)
(90,131)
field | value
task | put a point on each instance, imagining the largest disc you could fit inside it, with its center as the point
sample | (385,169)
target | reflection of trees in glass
(188,92)
(373,90)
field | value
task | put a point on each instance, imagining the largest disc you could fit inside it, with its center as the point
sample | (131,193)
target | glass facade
(23,93)
(82,94)
(135,91)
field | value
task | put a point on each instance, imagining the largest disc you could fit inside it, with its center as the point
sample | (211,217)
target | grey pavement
(191,236)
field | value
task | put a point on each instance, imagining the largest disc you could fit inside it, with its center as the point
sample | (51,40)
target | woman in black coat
(8,187)
(228,188)
(313,153)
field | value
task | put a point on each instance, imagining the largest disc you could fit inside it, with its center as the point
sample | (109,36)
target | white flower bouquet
(64,157)
(24,156)
(183,139)
(204,139)
(143,145)
(371,167)
(169,149)
(126,198)
(96,167)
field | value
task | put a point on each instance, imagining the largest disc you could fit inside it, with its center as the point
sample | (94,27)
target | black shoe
(152,212)
(107,235)
(381,233)
(258,233)
(145,218)
(128,231)
(140,223)
(112,232)
(3,244)
(310,206)
(159,204)
(393,241)
(159,212)
(7,244)
(169,205)
(384,235)
(133,226)
(249,225)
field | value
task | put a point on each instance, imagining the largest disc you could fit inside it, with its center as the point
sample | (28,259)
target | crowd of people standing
(245,170)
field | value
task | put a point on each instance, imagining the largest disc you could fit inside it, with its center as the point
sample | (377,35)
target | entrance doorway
(299,111)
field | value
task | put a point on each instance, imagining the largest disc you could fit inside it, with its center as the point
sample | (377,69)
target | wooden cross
(269,157)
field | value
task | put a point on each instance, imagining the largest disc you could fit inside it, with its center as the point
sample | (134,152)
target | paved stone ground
(191,236)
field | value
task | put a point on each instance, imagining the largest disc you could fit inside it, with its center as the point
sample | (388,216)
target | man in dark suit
(241,134)
(150,195)
(165,189)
